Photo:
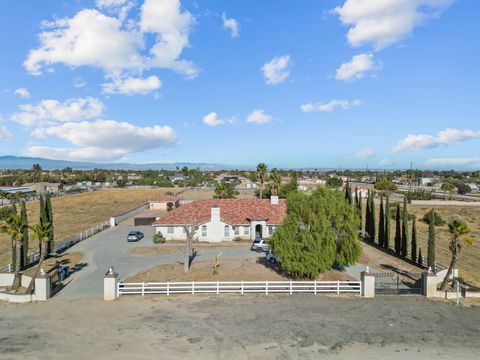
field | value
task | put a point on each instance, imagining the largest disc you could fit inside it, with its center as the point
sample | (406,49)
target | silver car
(260,245)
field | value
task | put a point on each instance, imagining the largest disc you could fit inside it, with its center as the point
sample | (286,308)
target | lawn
(76,213)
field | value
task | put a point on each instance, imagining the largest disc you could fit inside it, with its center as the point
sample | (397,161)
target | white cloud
(115,44)
(356,68)
(130,86)
(78,82)
(119,8)
(52,111)
(231,25)
(382,23)
(213,120)
(23,93)
(453,161)
(330,106)
(4,133)
(102,139)
(275,71)
(258,116)
(365,154)
(444,137)
(386,162)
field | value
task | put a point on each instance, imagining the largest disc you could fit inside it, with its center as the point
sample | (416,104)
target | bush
(438,220)
(419,195)
(237,238)
(158,238)
(6,212)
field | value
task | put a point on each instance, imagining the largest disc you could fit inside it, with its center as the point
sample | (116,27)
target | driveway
(110,248)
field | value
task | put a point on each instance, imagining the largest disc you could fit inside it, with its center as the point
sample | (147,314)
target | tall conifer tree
(381,223)
(372,217)
(431,242)
(386,236)
(398,234)
(405,228)
(414,240)
(49,214)
(367,216)
(24,243)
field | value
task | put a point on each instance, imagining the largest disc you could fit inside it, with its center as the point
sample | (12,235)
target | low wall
(17,298)
(6,279)
(115,220)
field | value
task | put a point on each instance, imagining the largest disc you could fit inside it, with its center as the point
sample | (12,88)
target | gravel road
(240,327)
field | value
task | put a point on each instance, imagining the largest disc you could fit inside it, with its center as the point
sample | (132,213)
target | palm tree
(41,233)
(457,227)
(262,174)
(274,181)
(15,227)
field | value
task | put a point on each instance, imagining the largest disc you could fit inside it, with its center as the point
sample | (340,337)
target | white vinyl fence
(239,287)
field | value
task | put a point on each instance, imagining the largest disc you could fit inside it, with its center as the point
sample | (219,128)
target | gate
(402,283)
(55,280)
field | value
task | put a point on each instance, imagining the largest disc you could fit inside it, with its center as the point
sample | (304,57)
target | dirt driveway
(240,327)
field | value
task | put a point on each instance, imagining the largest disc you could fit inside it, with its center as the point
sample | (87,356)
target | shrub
(158,238)
(237,238)
(419,195)
(438,220)
(6,212)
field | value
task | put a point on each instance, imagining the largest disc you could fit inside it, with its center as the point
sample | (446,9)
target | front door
(258,231)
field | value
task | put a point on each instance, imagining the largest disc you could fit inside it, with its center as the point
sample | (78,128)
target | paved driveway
(110,248)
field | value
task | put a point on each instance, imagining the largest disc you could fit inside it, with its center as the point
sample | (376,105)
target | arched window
(226,231)
(204,230)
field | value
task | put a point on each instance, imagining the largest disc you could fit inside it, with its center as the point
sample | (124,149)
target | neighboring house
(17,189)
(165,202)
(285,179)
(177,177)
(224,219)
(44,187)
(473,186)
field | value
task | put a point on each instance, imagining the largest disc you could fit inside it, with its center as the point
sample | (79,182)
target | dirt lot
(240,327)
(232,269)
(200,194)
(76,213)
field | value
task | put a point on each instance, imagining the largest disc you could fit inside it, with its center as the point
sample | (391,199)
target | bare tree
(190,231)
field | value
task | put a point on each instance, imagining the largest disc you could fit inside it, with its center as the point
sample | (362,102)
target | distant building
(165,202)
(17,189)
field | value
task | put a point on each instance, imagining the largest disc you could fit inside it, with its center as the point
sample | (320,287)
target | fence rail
(239,287)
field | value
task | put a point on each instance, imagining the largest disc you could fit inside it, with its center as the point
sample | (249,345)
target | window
(204,230)
(236,229)
(271,229)
(226,231)
(246,230)
(170,230)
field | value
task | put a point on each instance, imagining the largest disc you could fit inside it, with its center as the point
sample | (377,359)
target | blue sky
(341,83)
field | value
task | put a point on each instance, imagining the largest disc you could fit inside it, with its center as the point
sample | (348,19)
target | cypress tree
(367,216)
(414,240)
(419,259)
(372,216)
(386,235)
(43,218)
(356,197)
(24,244)
(49,213)
(405,228)
(398,235)
(381,223)
(431,242)
(360,210)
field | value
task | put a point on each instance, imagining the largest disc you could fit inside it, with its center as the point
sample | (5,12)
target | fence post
(143,289)
(315,287)
(338,287)
(193,287)
(241,288)
(218,287)
(368,284)
(110,285)
(168,288)
(291,287)
(266,287)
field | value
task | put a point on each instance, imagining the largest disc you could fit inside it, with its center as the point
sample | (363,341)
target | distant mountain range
(19,162)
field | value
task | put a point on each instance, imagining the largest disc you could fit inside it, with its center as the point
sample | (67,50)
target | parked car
(134,236)
(272,258)
(259,245)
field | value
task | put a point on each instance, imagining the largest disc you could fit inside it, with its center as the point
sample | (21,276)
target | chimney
(215,215)
(274,200)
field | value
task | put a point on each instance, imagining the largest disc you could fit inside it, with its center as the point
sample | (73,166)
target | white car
(259,245)
(272,258)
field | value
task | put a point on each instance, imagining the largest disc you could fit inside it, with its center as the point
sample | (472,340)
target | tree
(334,182)
(381,223)
(414,240)
(225,190)
(372,217)
(289,187)
(15,227)
(319,230)
(447,187)
(41,232)
(385,185)
(386,235)
(262,174)
(457,228)
(437,219)
(398,235)
(24,244)
(420,257)
(185,171)
(348,193)
(405,228)
(463,188)
(431,243)
(274,182)
(191,236)
(49,221)
(367,215)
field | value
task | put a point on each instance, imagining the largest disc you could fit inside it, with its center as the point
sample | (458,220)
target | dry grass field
(469,261)
(76,213)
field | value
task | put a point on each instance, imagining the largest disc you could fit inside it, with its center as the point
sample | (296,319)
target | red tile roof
(232,211)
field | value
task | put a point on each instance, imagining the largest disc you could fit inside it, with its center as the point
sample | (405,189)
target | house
(17,189)
(44,187)
(176,177)
(164,202)
(224,219)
